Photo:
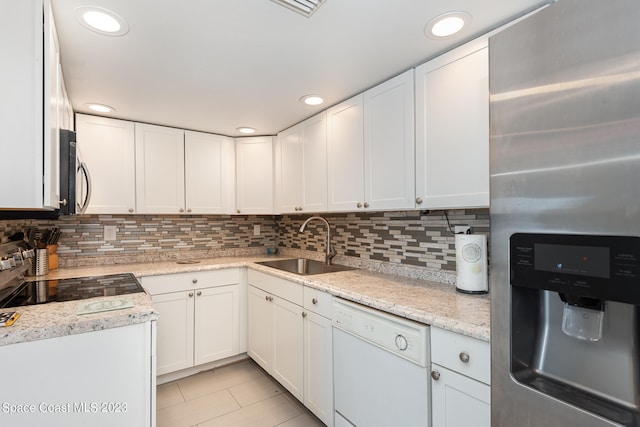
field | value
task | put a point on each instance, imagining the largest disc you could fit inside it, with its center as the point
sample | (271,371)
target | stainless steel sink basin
(304,266)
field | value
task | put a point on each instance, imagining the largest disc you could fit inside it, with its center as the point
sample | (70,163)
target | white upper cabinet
(209,173)
(389,149)
(370,145)
(29,179)
(452,129)
(300,167)
(345,154)
(254,175)
(159,169)
(107,146)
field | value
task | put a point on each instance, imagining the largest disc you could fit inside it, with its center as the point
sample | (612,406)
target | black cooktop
(43,291)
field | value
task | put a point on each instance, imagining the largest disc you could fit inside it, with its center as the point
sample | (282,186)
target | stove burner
(44,291)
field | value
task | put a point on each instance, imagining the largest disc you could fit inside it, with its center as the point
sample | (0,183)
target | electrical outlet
(109,232)
(256,230)
(462,229)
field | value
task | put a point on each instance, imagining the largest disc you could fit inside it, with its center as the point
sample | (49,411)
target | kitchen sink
(304,266)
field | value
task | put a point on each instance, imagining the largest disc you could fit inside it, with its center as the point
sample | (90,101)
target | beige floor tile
(266,413)
(255,391)
(304,420)
(219,379)
(168,395)
(197,410)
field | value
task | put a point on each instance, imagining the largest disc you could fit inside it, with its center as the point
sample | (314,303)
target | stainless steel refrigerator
(565,217)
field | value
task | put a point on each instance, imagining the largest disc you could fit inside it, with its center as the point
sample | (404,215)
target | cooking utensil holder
(40,264)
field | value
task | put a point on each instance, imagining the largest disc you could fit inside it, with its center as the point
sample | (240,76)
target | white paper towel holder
(471,263)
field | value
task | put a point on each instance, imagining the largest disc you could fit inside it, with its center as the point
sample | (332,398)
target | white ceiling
(215,65)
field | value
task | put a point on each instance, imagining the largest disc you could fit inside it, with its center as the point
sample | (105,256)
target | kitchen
(411,238)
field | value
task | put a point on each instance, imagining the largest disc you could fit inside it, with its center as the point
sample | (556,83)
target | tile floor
(237,395)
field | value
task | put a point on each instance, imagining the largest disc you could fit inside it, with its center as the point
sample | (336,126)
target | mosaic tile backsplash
(408,238)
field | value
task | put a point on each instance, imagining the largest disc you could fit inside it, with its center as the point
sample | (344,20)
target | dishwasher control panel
(395,334)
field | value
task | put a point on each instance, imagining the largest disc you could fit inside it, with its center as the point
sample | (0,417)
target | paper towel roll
(471,263)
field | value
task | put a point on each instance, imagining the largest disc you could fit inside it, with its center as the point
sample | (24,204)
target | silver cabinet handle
(366,205)
(314,301)
(130,210)
(418,201)
(63,202)
(358,205)
(190,294)
(304,314)
(188,209)
(181,210)
(194,281)
(238,211)
(266,297)
(464,357)
(435,375)
(199,293)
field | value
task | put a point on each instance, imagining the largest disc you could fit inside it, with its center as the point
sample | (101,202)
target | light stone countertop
(425,301)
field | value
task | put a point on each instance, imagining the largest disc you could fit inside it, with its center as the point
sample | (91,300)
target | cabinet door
(288,346)
(254,174)
(345,154)
(108,145)
(459,401)
(314,161)
(217,323)
(288,170)
(209,173)
(159,169)
(260,328)
(389,150)
(452,144)
(53,117)
(318,367)
(174,331)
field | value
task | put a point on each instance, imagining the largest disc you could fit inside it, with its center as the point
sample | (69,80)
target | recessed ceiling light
(312,100)
(245,129)
(100,108)
(101,21)
(447,25)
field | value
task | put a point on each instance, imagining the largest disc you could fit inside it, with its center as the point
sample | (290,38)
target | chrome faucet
(330,251)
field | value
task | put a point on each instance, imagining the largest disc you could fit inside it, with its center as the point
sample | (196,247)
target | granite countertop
(425,301)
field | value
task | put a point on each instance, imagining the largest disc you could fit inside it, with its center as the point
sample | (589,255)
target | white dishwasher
(380,368)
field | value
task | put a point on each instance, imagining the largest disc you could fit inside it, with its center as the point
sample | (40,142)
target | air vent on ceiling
(303,7)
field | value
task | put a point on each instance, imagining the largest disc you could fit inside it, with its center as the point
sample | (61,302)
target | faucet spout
(331,252)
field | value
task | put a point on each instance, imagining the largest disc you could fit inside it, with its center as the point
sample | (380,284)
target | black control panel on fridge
(602,267)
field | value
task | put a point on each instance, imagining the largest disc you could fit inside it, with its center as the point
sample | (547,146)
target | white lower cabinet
(199,317)
(290,338)
(103,378)
(460,376)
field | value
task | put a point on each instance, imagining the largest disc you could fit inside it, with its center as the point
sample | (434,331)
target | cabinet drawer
(282,288)
(184,281)
(318,301)
(466,355)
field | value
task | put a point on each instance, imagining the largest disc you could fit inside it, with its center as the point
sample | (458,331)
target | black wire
(448,223)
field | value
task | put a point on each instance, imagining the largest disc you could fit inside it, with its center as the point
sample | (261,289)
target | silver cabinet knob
(435,375)
(190,294)
(266,297)
(181,210)
(358,205)
(189,210)
(366,205)
(418,200)
(304,314)
(199,293)
(464,357)
(314,301)
(194,281)
(238,211)
(63,202)
(130,210)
